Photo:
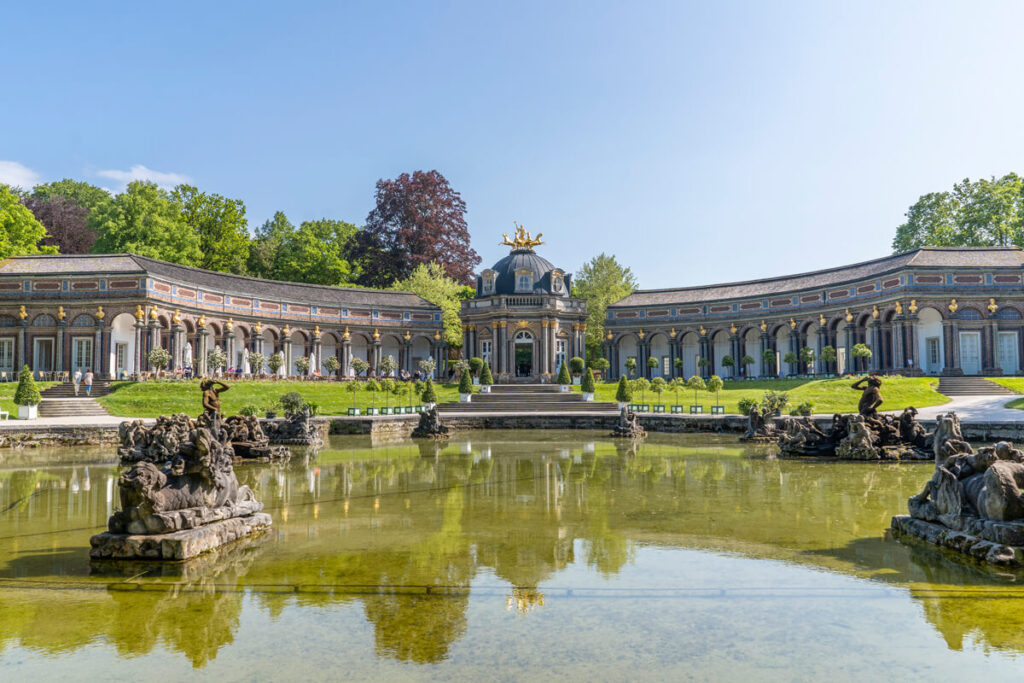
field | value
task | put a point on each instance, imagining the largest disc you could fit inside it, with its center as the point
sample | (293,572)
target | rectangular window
(559,354)
(485,351)
(81,353)
(666,366)
(7,357)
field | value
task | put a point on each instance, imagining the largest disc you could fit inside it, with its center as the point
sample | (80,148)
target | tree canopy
(982,213)
(66,222)
(418,219)
(220,225)
(433,284)
(146,220)
(20,232)
(601,281)
(316,253)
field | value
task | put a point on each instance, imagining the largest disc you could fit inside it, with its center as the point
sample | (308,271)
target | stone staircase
(527,398)
(60,401)
(971,386)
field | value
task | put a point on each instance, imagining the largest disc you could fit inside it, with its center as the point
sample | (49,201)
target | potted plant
(696,383)
(216,359)
(427,367)
(398,388)
(475,366)
(768,360)
(275,362)
(715,384)
(601,365)
(387,385)
(272,408)
(302,366)
(576,367)
(624,392)
(331,364)
(652,364)
(159,358)
(676,384)
(729,362)
(359,366)
(807,357)
(587,385)
(27,396)
(828,357)
(564,380)
(429,396)
(486,378)
(746,362)
(373,387)
(792,361)
(805,409)
(465,388)
(773,402)
(249,410)
(861,351)
(352,386)
(658,385)
(631,365)
(388,365)
(678,363)
(256,362)
(641,384)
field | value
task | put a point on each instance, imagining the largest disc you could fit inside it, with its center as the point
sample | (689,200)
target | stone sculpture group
(628,425)
(179,494)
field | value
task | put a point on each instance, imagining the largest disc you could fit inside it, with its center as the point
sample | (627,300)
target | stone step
(70,407)
(555,408)
(971,386)
(67,390)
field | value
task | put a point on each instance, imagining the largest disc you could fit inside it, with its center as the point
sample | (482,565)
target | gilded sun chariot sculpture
(521,239)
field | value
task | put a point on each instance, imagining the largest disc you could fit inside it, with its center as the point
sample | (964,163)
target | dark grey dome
(523,259)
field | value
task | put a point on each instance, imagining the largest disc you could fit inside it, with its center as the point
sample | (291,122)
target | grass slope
(1014,384)
(155,398)
(826,395)
(7,390)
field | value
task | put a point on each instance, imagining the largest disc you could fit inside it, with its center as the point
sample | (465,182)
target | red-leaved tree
(418,219)
(66,222)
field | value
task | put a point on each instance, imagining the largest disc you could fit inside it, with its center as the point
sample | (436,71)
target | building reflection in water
(401,530)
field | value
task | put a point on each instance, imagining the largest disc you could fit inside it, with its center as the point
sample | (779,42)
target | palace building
(63,313)
(524,320)
(934,310)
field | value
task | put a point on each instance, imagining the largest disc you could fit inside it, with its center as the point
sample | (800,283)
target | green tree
(428,395)
(359,366)
(486,378)
(807,357)
(27,393)
(828,354)
(658,385)
(373,387)
(89,196)
(641,384)
(476,364)
(576,365)
(432,283)
(158,358)
(676,385)
(331,364)
(746,362)
(20,232)
(768,359)
(624,392)
(600,282)
(631,365)
(352,387)
(861,351)
(715,384)
(316,253)
(652,363)
(388,365)
(221,226)
(465,383)
(695,384)
(587,382)
(563,375)
(145,220)
(264,246)
(728,362)
(792,359)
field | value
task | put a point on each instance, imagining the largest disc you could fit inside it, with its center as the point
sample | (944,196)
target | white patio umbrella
(312,363)
(187,359)
(245,364)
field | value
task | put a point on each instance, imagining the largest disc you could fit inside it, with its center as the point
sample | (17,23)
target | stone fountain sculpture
(628,426)
(179,495)
(864,436)
(974,502)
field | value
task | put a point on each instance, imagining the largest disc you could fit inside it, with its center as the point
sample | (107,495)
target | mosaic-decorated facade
(62,313)
(935,311)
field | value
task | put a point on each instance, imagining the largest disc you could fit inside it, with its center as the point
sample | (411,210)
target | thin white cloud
(18,175)
(140,172)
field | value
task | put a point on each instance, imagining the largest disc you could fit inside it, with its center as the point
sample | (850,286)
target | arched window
(968,314)
(524,281)
(523,337)
(44,320)
(556,282)
(7,321)
(1007,314)
(84,320)
(488,281)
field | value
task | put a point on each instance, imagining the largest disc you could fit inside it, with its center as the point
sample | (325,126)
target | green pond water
(508,555)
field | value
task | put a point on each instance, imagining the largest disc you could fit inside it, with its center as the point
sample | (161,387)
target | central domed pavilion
(524,320)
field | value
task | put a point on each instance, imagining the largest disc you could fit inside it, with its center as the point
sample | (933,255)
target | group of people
(80,378)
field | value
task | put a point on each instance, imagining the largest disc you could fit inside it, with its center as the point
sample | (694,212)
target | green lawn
(7,390)
(155,398)
(826,395)
(1014,384)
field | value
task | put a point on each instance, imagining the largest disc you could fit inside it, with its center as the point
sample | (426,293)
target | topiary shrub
(27,393)
(773,402)
(624,393)
(486,378)
(249,410)
(465,384)
(587,383)
(576,365)
(428,395)
(745,405)
(476,365)
(563,375)
(806,408)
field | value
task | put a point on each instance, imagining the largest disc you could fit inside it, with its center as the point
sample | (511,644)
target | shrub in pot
(564,380)
(465,388)
(587,385)
(27,396)
(624,392)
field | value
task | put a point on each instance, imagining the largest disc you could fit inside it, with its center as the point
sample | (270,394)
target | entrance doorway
(524,354)
(81,354)
(1008,353)
(42,354)
(970,353)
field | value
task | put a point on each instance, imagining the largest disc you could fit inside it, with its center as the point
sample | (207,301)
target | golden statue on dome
(521,239)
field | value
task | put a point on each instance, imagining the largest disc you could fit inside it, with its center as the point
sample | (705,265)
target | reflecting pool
(508,555)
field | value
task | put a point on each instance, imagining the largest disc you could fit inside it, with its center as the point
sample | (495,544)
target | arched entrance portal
(524,354)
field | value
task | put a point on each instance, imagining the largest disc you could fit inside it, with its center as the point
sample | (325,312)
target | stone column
(672,359)
(286,350)
(62,331)
(376,355)
(704,354)
(990,338)
(821,366)
(897,343)
(97,350)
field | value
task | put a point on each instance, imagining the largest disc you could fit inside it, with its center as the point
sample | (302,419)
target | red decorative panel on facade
(328,311)
(928,279)
(750,306)
(864,289)
(810,298)
(889,284)
(967,279)
(236,301)
(47,286)
(1007,279)
(359,314)
(682,311)
(782,302)
(390,315)
(657,314)
(186,293)
(85,285)
(720,309)
(213,298)
(132,284)
(838,293)
(293,308)
(422,316)
(160,287)
(9,287)
(267,306)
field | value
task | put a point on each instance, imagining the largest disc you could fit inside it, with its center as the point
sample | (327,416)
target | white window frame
(7,355)
(524,281)
(485,350)
(559,352)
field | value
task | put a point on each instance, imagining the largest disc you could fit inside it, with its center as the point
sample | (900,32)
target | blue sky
(698,142)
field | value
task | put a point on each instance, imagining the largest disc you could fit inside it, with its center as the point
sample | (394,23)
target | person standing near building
(88,381)
(77,380)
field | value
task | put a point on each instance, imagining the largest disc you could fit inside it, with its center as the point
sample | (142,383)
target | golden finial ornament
(99,312)
(702,331)
(345,335)
(521,239)
(821,320)
(992,306)
(202,320)
(152,313)
(176,318)
(437,335)
(376,334)
(258,328)
(953,306)
(899,308)
(849,316)
(763,326)
(139,315)
(913,306)
(60,313)
(316,330)
(229,325)
(22,313)
(407,336)
(874,312)
(610,335)
(287,331)
(732,328)
(792,324)
(672,333)
(639,333)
